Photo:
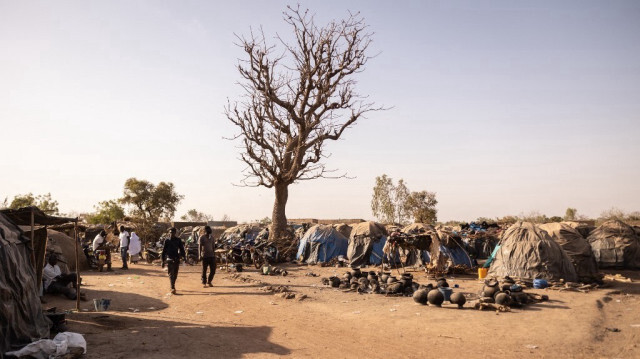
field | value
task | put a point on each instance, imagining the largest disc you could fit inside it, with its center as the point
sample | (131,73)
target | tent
(615,244)
(344,229)
(321,243)
(21,317)
(583,228)
(366,243)
(65,249)
(577,248)
(528,252)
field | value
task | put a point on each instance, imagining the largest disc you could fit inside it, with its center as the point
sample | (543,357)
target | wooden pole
(33,251)
(75,230)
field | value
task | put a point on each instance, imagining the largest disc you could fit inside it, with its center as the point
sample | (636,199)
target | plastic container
(482,273)
(540,283)
(446,292)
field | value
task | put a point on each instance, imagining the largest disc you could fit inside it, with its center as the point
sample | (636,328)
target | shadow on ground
(120,302)
(130,337)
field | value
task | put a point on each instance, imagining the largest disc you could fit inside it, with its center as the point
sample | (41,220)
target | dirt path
(236,319)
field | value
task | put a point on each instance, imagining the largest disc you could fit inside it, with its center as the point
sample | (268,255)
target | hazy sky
(501,107)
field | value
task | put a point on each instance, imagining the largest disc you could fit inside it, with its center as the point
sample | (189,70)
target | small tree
(422,206)
(571,214)
(43,202)
(194,216)
(401,195)
(149,203)
(106,212)
(391,203)
(382,204)
(296,100)
(612,213)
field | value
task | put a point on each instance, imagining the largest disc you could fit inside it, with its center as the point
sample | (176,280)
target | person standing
(124,246)
(172,251)
(134,248)
(206,247)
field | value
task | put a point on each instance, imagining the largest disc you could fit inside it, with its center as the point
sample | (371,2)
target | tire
(149,259)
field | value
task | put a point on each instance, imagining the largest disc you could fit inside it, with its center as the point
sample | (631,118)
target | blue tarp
(457,255)
(376,252)
(487,264)
(321,244)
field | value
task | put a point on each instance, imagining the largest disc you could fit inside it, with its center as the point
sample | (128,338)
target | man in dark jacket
(206,247)
(172,251)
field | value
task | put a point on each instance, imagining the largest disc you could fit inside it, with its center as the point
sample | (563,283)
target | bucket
(101,304)
(482,272)
(446,291)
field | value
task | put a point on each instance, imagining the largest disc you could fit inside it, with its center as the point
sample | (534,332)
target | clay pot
(491,282)
(347,276)
(372,276)
(384,277)
(391,280)
(363,282)
(395,287)
(420,296)
(442,283)
(335,282)
(355,273)
(489,291)
(458,298)
(435,297)
(406,280)
(502,298)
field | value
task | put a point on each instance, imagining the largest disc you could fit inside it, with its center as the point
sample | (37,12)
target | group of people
(130,247)
(173,252)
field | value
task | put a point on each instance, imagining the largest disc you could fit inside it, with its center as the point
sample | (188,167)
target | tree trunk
(279,217)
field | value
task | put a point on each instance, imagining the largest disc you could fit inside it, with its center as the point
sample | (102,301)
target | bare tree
(296,98)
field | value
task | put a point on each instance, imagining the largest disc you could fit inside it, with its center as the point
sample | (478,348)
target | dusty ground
(236,319)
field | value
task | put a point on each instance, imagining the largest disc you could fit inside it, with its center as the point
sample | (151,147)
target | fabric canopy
(22,217)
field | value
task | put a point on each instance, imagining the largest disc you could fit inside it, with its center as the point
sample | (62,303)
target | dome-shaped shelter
(366,243)
(321,243)
(615,244)
(526,251)
(577,248)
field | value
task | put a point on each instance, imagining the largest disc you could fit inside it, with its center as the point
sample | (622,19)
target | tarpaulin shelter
(366,244)
(242,232)
(34,218)
(21,317)
(527,251)
(577,248)
(321,243)
(615,244)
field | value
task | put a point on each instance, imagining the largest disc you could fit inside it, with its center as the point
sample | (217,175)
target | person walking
(206,247)
(124,246)
(172,251)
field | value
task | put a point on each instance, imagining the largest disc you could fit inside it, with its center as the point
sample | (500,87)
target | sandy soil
(235,319)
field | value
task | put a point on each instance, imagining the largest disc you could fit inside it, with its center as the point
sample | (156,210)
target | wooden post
(75,230)
(33,234)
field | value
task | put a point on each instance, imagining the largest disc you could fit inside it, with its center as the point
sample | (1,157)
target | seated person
(57,283)
(100,242)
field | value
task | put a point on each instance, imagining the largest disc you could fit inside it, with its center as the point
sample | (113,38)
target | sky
(500,107)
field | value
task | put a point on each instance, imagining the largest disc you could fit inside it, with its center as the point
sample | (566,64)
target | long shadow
(120,302)
(116,336)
